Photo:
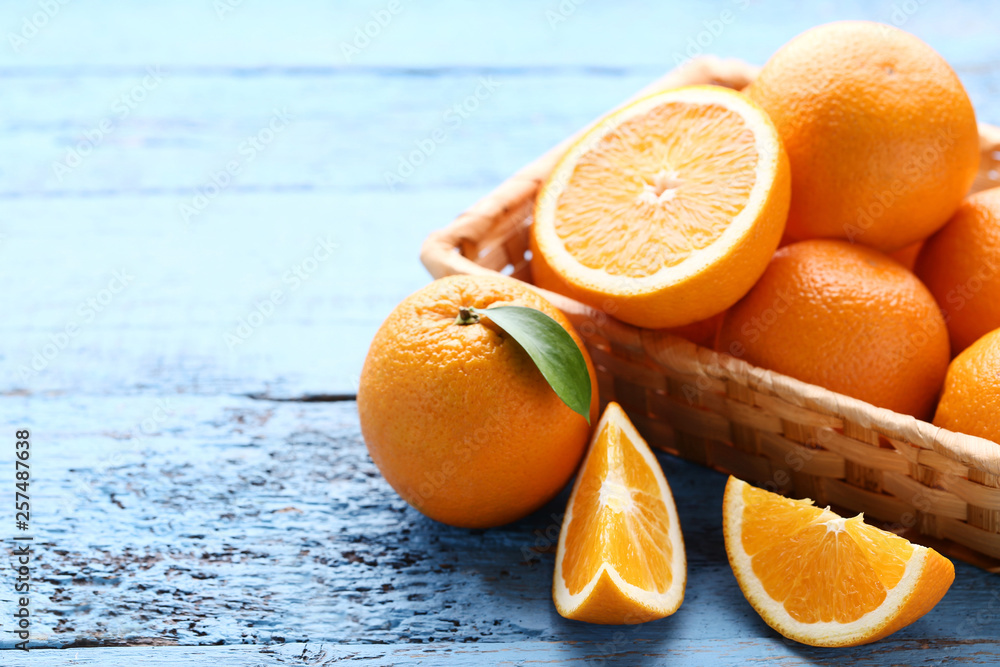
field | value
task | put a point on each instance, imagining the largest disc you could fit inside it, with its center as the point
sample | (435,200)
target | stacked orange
(856,139)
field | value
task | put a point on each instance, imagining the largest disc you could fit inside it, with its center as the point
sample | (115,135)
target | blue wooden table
(206,209)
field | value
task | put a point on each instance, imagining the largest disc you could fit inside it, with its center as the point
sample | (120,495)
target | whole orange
(961,266)
(971,399)
(458,417)
(907,256)
(880,133)
(847,318)
(702,332)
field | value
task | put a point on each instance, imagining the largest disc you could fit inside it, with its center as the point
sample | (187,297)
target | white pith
(663,187)
(825,633)
(835,525)
(615,492)
(766,168)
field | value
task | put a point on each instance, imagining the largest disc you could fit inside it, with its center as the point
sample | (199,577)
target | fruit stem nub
(467,315)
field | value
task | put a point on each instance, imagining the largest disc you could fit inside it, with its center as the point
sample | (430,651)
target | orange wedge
(621,554)
(823,580)
(667,211)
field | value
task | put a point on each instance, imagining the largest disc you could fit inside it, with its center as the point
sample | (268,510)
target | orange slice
(823,580)
(667,211)
(621,554)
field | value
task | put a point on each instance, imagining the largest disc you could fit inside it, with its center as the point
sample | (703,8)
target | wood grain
(683,652)
(240,521)
(173,512)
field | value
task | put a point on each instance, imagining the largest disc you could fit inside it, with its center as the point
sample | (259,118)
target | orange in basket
(667,211)
(847,318)
(880,133)
(971,399)
(961,267)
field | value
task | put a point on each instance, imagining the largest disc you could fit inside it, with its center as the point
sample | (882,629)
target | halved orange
(621,554)
(667,211)
(824,580)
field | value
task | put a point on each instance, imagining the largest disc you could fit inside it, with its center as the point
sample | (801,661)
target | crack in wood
(306,398)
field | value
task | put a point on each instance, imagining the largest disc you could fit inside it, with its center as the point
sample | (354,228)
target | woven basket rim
(442,255)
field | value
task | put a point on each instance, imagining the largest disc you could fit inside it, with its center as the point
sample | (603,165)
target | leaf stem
(467,315)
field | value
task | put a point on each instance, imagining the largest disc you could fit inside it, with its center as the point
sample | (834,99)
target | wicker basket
(933,486)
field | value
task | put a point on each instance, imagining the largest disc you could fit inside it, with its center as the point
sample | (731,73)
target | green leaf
(553,350)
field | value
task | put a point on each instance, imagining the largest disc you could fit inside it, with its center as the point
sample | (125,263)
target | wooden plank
(452,33)
(197,280)
(620,650)
(188,318)
(335,131)
(325,174)
(345,132)
(224,519)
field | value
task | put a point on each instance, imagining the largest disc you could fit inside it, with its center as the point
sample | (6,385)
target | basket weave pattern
(931,485)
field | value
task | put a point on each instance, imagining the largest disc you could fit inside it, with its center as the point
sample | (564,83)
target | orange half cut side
(667,211)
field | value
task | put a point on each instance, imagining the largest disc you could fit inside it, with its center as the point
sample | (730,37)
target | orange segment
(824,580)
(669,207)
(621,554)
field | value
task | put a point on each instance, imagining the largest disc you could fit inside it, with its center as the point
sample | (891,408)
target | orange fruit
(970,402)
(620,557)
(667,211)
(823,580)
(880,133)
(907,256)
(702,332)
(847,318)
(458,418)
(961,267)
